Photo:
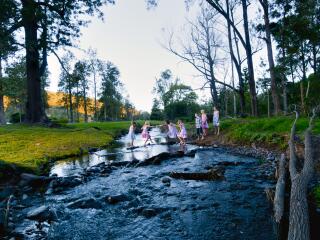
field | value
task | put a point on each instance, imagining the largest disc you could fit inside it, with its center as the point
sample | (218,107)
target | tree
(7,47)
(81,73)
(47,25)
(245,41)
(163,84)
(15,85)
(156,112)
(268,40)
(299,226)
(93,64)
(110,95)
(67,83)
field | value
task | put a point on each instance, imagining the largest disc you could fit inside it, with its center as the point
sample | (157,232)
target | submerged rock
(166,181)
(212,174)
(117,198)
(42,213)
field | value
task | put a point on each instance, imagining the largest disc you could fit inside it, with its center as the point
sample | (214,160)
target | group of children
(201,124)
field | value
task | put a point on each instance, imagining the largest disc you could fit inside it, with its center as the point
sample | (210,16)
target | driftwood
(299,226)
(280,190)
(212,174)
(7,211)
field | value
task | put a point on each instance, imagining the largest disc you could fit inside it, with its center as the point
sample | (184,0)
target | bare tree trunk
(302,97)
(268,98)
(252,84)
(95,95)
(2,115)
(275,98)
(280,190)
(299,226)
(70,99)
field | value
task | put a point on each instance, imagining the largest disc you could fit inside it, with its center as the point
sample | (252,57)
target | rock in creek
(212,174)
(33,180)
(85,203)
(166,181)
(117,198)
(60,184)
(42,213)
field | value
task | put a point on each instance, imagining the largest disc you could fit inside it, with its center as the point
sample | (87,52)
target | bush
(15,118)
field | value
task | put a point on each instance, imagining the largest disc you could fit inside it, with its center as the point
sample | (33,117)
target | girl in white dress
(216,122)
(131,133)
(172,130)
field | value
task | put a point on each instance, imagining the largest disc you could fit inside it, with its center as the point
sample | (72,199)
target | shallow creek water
(234,208)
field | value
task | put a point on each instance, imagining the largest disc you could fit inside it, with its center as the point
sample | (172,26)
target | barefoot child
(216,122)
(198,125)
(204,123)
(182,135)
(131,134)
(172,130)
(145,133)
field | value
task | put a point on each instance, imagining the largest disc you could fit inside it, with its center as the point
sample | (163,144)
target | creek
(143,202)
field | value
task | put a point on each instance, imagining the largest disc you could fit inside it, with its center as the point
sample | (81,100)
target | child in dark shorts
(198,125)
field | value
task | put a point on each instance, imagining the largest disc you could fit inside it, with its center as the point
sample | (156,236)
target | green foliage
(316,192)
(17,118)
(270,131)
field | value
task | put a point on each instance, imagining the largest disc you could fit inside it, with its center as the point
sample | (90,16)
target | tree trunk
(70,99)
(252,84)
(95,95)
(34,109)
(302,97)
(268,98)
(85,106)
(275,98)
(280,190)
(299,225)
(2,115)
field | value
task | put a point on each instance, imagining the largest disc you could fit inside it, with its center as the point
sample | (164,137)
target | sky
(131,37)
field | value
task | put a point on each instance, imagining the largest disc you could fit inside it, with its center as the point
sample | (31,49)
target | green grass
(29,147)
(316,192)
(271,131)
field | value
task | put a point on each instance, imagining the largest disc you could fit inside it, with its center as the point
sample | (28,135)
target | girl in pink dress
(145,133)
(182,135)
(205,126)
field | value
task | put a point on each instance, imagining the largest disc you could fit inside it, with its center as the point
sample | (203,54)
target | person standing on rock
(131,133)
(172,130)
(204,122)
(182,135)
(145,133)
(216,121)
(198,125)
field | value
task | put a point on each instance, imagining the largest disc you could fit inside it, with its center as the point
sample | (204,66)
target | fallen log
(212,174)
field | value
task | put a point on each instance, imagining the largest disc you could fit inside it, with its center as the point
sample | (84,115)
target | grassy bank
(29,147)
(265,131)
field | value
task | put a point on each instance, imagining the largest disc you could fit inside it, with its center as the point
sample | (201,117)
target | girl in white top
(131,133)
(216,122)
(172,130)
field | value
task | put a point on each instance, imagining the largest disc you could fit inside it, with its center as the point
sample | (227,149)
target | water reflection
(74,166)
